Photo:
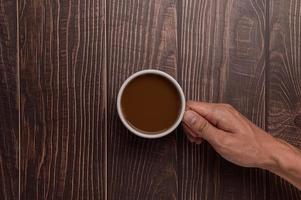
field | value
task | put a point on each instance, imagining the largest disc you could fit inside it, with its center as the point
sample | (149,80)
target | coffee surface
(150,103)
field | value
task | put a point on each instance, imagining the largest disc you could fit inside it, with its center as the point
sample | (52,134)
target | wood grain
(245,90)
(141,35)
(284,82)
(63,99)
(200,57)
(63,62)
(9,101)
(222,60)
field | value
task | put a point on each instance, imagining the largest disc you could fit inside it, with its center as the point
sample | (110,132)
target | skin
(240,141)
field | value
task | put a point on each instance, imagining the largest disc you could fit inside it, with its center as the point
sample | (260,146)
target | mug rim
(140,133)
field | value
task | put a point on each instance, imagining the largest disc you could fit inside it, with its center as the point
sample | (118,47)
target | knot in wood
(298,120)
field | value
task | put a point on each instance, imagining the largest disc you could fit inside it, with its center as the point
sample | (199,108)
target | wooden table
(62,63)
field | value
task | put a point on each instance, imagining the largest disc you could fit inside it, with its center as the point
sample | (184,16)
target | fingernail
(190,118)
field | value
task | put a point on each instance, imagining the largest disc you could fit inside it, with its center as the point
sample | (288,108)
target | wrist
(280,156)
(270,151)
(285,161)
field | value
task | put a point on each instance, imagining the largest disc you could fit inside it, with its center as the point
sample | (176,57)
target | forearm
(285,161)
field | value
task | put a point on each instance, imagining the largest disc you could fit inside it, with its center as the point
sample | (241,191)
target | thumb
(201,127)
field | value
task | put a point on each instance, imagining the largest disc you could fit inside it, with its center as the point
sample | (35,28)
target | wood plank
(222,60)
(199,59)
(141,35)
(63,99)
(246,90)
(9,101)
(284,83)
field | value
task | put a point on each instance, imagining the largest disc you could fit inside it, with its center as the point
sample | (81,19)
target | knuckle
(223,119)
(232,110)
(222,108)
(228,106)
(236,113)
(216,110)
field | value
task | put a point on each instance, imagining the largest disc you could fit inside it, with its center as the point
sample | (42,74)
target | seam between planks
(106,99)
(267,67)
(267,60)
(18,96)
(177,70)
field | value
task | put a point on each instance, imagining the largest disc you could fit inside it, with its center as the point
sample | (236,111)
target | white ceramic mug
(176,85)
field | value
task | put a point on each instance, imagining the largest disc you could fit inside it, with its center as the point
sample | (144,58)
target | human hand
(232,135)
(240,141)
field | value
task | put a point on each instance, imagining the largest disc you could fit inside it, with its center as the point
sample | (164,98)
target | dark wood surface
(284,83)
(141,35)
(9,101)
(222,49)
(63,101)
(61,66)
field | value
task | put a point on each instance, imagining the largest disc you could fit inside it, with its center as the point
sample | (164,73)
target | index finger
(215,114)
